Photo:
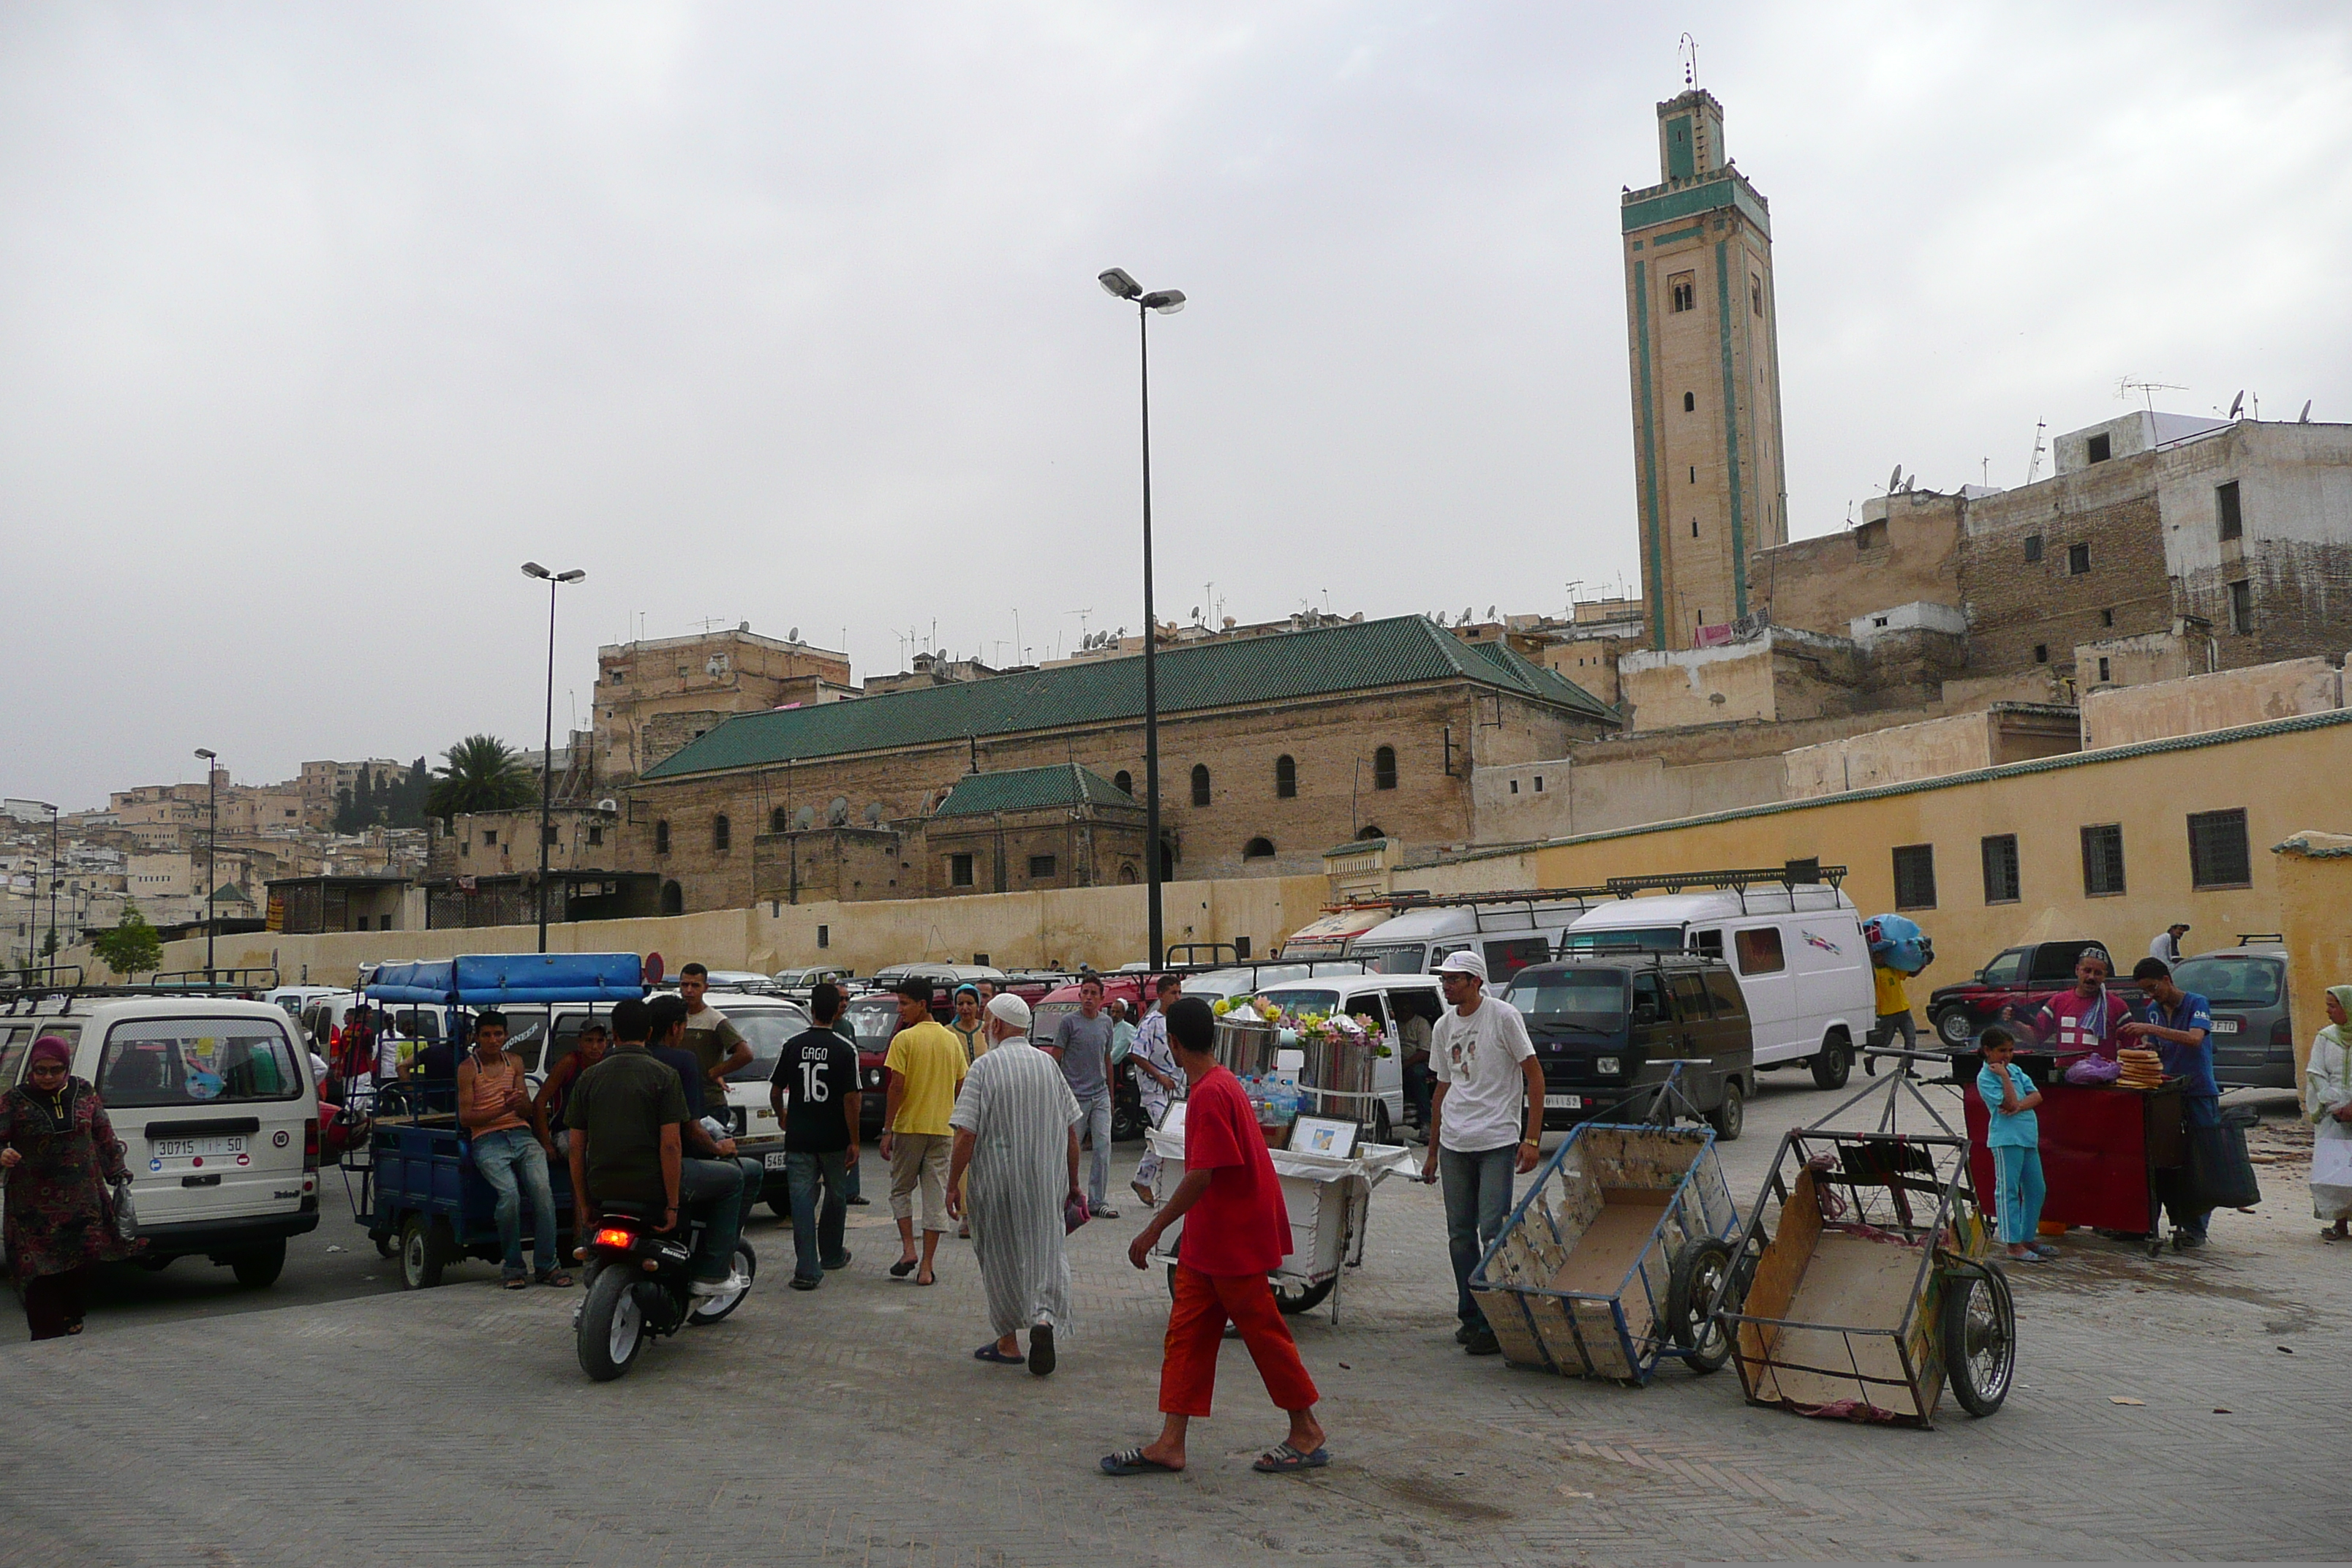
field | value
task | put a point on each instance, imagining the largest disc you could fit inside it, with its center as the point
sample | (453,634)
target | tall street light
(212,849)
(547,742)
(1119,285)
(52,810)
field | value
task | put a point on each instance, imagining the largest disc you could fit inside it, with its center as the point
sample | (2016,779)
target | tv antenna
(1686,52)
(2147,389)
(707,622)
(2033,468)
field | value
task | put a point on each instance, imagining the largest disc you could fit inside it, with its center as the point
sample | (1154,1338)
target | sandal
(933,1281)
(904,1266)
(1282,1459)
(517,1282)
(554,1277)
(988,1353)
(1136,1462)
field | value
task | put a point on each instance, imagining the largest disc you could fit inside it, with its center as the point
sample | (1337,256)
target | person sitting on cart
(587,1049)
(629,1126)
(2084,1021)
(2180,1024)
(511,1148)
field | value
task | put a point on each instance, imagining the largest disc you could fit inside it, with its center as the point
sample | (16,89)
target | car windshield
(1586,998)
(153,1062)
(1641,939)
(875,1019)
(1394,958)
(2233,982)
(1048,1017)
(1304,999)
(765,1030)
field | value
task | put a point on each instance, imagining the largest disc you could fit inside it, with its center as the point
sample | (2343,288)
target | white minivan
(1404,1009)
(1802,966)
(217,1113)
(1509,934)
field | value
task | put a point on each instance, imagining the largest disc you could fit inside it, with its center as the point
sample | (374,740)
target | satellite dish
(1196,612)
(836,811)
(2237,403)
(609,807)
(1467,615)
(1490,612)
(742,625)
(1894,479)
(2305,417)
(873,813)
(805,817)
(792,636)
(1122,631)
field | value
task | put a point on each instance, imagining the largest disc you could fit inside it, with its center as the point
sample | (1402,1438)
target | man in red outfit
(1239,1231)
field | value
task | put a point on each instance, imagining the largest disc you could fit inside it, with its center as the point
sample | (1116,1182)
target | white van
(1509,934)
(1405,1007)
(1328,934)
(1798,954)
(219,1116)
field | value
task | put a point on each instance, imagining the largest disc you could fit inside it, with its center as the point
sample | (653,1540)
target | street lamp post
(212,849)
(52,954)
(547,740)
(1119,285)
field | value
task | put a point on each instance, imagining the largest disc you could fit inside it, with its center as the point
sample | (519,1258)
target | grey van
(1605,1025)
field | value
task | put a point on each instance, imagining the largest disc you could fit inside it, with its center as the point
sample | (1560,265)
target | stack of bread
(2141,1070)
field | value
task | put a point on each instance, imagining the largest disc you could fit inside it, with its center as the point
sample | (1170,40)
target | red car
(2019,977)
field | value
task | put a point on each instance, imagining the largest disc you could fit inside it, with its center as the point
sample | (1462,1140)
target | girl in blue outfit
(2015,1139)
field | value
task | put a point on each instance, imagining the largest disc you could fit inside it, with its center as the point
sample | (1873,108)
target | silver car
(2254,1037)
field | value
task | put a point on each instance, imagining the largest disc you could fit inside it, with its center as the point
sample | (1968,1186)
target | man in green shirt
(718,1047)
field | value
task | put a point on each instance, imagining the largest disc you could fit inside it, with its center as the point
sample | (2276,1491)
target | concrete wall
(1906,548)
(2124,715)
(1591,797)
(1960,744)
(2315,914)
(2285,781)
(2173,654)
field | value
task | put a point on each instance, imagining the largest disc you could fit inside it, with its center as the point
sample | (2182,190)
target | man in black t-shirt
(815,1093)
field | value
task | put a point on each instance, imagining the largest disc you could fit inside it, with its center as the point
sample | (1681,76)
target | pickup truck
(2019,977)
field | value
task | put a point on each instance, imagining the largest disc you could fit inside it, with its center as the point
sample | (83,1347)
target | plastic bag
(2095,1070)
(2219,1171)
(126,1213)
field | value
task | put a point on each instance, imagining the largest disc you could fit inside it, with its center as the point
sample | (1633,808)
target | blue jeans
(1477,1189)
(817,1234)
(514,1165)
(2018,1207)
(1095,1119)
(713,1190)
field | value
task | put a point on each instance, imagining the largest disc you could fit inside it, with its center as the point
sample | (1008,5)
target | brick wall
(2016,605)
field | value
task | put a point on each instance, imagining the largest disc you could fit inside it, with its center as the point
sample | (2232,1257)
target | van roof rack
(28,994)
(2269,938)
(1793,875)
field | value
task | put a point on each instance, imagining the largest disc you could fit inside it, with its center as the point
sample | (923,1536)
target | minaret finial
(1687,51)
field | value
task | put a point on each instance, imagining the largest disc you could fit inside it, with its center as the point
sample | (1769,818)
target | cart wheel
(424,1252)
(1979,1339)
(1293,1301)
(386,1246)
(1697,1275)
(1729,1117)
(1128,1123)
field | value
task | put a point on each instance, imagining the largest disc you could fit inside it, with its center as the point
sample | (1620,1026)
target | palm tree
(482,774)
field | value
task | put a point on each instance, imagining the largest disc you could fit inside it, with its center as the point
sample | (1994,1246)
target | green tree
(131,947)
(482,773)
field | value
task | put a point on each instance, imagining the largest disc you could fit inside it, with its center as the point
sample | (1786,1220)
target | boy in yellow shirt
(925,1066)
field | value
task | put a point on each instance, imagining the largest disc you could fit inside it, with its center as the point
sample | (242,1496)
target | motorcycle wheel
(1126,1122)
(709,1310)
(611,1326)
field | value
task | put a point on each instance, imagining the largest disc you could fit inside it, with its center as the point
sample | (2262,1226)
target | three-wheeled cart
(1874,1284)
(415,1186)
(2106,1151)
(1612,1260)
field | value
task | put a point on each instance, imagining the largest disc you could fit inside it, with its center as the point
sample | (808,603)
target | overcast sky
(315,321)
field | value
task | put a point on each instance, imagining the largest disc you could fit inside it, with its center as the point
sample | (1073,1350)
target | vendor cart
(1874,1284)
(1329,1197)
(415,1186)
(1613,1257)
(2106,1151)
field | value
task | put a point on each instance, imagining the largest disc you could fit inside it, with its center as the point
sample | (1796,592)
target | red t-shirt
(2071,1024)
(1239,1225)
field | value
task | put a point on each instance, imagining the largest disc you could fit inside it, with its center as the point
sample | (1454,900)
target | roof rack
(1793,875)
(1514,897)
(28,996)
(2249,938)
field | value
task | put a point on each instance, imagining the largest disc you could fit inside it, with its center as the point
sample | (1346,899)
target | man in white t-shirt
(1489,1088)
(2166,943)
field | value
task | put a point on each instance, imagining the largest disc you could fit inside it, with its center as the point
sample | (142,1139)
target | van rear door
(1759,955)
(212,1114)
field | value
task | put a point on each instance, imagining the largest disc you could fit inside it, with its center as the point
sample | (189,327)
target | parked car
(2253,1036)
(1389,1000)
(1605,1024)
(873,1019)
(799,983)
(2019,977)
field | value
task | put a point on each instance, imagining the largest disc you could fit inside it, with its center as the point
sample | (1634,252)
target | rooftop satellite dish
(805,817)
(2305,417)
(1895,479)
(1196,612)
(1467,615)
(792,636)
(2237,403)
(1122,631)
(873,813)
(742,625)
(1490,612)
(836,811)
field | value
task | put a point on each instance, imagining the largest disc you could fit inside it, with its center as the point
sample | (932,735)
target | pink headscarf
(49,1048)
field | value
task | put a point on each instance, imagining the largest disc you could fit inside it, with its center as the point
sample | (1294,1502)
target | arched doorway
(673,899)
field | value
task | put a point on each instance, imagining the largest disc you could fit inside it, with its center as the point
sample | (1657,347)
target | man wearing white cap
(1486,1070)
(1015,1124)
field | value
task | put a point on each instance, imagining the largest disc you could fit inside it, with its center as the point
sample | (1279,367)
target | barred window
(1915,876)
(2217,849)
(2103,860)
(2000,878)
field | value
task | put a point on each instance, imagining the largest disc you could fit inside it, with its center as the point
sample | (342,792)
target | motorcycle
(638,1289)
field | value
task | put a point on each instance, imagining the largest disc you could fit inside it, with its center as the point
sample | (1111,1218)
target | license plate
(776,1161)
(1563,1102)
(191,1148)
(2225,1026)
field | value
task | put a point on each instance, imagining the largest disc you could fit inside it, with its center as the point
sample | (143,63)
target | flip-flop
(518,1283)
(904,1266)
(991,1354)
(1136,1462)
(1282,1459)
(556,1278)
(1041,1350)
(2046,1250)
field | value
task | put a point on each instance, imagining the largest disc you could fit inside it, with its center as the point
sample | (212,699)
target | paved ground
(850,1426)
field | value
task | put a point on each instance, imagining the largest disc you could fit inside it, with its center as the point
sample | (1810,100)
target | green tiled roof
(1358,656)
(1028,789)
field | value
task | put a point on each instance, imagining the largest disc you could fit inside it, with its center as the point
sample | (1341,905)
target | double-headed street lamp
(1120,285)
(546,755)
(211,847)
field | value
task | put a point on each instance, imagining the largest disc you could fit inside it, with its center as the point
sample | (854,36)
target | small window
(2006,970)
(1708,943)
(491,839)
(1690,403)
(1539,784)
(959,871)
(1199,783)
(1755,293)
(2225,507)
(722,832)
(1759,951)
(2102,861)
(1693,527)
(2042,653)
(2242,608)
(546,835)
(595,834)
(1259,850)
(1728,1003)
(1515,786)
(2078,560)
(777,821)
(2104,678)
(1683,293)
(1384,768)
(2098,449)
(2032,547)
(2001,883)
(2217,849)
(1915,876)
(1125,780)
(661,838)
(465,848)
(1040,866)
(1285,777)
(1694,473)
(824,936)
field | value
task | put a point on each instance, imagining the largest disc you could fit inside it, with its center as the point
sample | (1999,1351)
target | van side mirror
(1645,1012)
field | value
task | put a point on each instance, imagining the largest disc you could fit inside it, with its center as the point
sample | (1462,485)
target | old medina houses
(2092,704)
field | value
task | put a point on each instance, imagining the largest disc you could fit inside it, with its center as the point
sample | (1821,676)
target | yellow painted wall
(2315,891)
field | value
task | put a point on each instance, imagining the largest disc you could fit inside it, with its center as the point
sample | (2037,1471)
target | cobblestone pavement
(851,1425)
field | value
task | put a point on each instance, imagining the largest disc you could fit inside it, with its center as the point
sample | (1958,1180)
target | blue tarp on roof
(486,979)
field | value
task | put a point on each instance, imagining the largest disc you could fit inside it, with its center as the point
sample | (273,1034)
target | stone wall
(1906,548)
(2221,701)
(1959,743)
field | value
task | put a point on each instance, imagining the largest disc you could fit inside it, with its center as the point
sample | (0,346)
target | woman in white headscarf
(2327,1101)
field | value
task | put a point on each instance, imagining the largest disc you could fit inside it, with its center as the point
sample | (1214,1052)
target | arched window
(1285,776)
(1690,403)
(673,901)
(1259,850)
(777,821)
(661,838)
(1127,872)
(1199,783)
(1384,768)
(1125,780)
(1368,831)
(722,832)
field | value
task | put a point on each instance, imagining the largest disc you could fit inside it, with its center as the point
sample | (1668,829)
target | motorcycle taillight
(613,1237)
(311,1143)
